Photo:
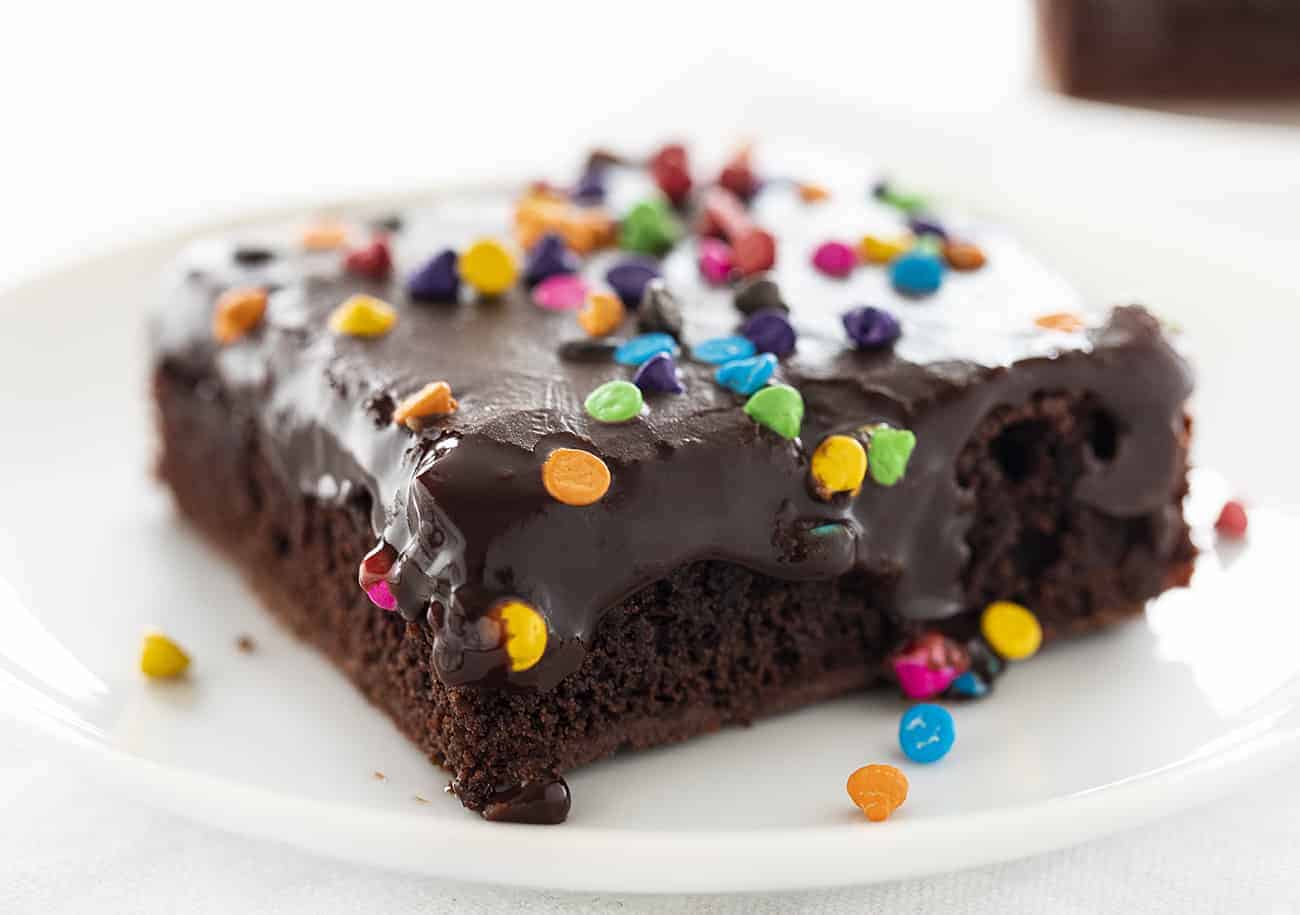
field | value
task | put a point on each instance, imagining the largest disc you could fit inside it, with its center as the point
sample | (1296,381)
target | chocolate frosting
(462,502)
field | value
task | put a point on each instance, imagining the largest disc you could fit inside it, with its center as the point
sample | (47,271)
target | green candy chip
(614,402)
(779,408)
(888,452)
(909,203)
(649,228)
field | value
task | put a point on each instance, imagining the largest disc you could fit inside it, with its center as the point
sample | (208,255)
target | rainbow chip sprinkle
(838,465)
(614,402)
(434,399)
(161,658)
(524,637)
(878,791)
(779,408)
(489,267)
(363,316)
(888,452)
(1011,630)
(575,477)
(237,312)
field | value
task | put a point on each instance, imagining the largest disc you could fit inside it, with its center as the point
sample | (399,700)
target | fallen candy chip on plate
(926,733)
(878,791)
(161,658)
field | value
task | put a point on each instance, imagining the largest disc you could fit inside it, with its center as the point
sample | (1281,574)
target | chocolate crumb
(245,643)
(379,776)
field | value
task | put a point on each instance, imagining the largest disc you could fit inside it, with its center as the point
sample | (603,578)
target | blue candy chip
(718,350)
(642,347)
(745,376)
(926,733)
(917,273)
(969,685)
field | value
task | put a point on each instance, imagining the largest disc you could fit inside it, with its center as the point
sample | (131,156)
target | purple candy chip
(658,375)
(770,332)
(436,281)
(920,225)
(549,257)
(629,278)
(590,187)
(871,328)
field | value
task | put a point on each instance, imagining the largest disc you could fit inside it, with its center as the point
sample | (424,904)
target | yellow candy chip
(525,633)
(363,316)
(876,250)
(1011,630)
(838,465)
(161,658)
(489,267)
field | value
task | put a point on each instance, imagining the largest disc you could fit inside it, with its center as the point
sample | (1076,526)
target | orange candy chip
(813,193)
(878,790)
(602,315)
(584,229)
(1061,320)
(433,399)
(962,255)
(325,235)
(575,477)
(238,311)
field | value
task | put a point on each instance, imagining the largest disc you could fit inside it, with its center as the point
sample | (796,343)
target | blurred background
(132,115)
(1178,186)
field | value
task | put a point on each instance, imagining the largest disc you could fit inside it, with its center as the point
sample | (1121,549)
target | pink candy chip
(381,595)
(921,681)
(563,292)
(715,260)
(834,258)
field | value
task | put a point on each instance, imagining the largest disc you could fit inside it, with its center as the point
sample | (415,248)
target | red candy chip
(754,252)
(374,261)
(738,176)
(671,172)
(1232,520)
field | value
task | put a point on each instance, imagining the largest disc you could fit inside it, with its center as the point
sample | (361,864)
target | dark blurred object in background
(1172,48)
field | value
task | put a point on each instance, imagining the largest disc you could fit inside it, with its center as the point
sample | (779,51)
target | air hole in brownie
(281,540)
(1103,435)
(1016,449)
(1036,552)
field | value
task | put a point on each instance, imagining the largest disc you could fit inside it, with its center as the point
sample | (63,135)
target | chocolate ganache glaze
(461,502)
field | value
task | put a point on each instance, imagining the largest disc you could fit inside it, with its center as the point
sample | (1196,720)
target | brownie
(1172,48)
(717,579)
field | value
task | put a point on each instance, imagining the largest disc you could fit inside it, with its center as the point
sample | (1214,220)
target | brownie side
(1172,48)
(711,644)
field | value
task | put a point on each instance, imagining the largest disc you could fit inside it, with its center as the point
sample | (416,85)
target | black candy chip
(588,350)
(660,311)
(253,255)
(759,294)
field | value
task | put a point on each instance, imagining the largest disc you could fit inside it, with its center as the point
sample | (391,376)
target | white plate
(1089,738)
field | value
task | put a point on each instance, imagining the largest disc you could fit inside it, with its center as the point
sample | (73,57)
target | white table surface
(130,118)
